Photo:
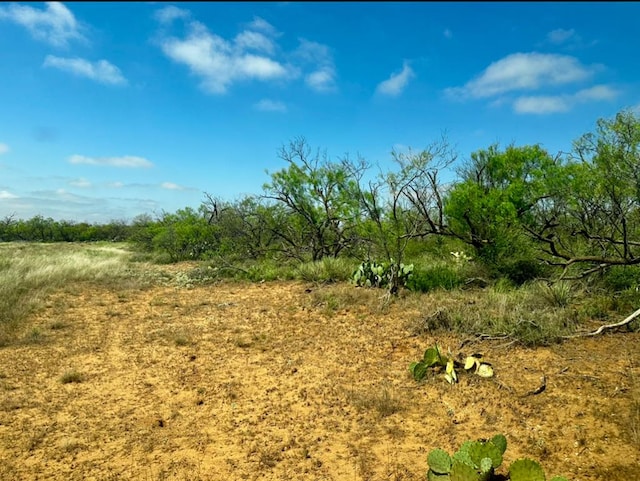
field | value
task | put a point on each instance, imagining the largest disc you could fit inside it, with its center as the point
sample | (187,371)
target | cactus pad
(439,461)
(431,476)
(463,472)
(500,442)
(526,470)
(479,450)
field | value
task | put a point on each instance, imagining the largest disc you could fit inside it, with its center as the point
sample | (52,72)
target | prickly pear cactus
(526,470)
(439,461)
(487,450)
(559,478)
(500,442)
(463,472)
(431,476)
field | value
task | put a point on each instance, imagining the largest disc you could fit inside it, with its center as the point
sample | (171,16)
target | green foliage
(521,270)
(373,274)
(436,277)
(620,278)
(433,359)
(478,461)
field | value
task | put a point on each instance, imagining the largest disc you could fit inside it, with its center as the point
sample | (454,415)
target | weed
(72,376)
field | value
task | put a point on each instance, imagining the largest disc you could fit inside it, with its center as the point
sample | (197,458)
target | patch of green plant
(557,294)
(521,270)
(620,278)
(435,361)
(436,277)
(71,377)
(478,461)
(327,270)
(373,274)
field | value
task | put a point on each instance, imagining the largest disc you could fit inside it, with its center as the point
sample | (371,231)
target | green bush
(427,279)
(522,270)
(620,278)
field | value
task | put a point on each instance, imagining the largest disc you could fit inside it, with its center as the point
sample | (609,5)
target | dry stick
(601,329)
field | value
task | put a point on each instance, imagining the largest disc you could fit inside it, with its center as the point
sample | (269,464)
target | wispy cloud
(397,82)
(560,35)
(100,71)
(82,183)
(267,105)
(547,104)
(523,71)
(172,186)
(5,194)
(170,13)
(219,62)
(55,24)
(319,57)
(447,33)
(128,161)
(4,148)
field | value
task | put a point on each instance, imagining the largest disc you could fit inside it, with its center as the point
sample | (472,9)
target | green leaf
(431,357)
(439,461)
(500,442)
(526,470)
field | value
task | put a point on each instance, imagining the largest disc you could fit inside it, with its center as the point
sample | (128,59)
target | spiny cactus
(526,470)
(478,460)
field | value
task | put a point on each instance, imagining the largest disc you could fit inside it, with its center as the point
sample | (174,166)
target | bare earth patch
(280,381)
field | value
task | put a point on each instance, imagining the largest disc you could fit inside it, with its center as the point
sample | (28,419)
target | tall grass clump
(28,272)
(327,270)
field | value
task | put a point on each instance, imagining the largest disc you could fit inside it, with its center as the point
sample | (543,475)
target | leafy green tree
(320,203)
(592,219)
(496,195)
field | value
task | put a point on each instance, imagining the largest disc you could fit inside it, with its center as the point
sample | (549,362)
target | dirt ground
(280,381)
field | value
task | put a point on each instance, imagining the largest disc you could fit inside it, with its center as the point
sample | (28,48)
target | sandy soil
(280,381)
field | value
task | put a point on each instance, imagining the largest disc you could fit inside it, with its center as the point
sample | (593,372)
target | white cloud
(116,185)
(597,92)
(560,35)
(55,24)
(523,71)
(547,104)
(322,78)
(125,161)
(5,194)
(4,148)
(249,40)
(218,62)
(541,104)
(262,25)
(396,82)
(267,105)
(170,13)
(171,186)
(100,71)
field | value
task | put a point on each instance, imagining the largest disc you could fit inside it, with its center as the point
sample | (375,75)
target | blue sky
(111,110)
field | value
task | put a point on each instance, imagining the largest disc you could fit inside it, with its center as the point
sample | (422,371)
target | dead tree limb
(606,327)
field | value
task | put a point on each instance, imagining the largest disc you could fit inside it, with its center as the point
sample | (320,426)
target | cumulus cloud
(397,82)
(267,105)
(523,71)
(125,161)
(219,62)
(4,148)
(55,25)
(100,71)
(547,104)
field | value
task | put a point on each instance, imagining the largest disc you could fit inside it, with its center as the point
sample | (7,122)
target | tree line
(517,207)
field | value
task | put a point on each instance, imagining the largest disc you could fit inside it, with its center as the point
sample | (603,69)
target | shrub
(522,270)
(444,277)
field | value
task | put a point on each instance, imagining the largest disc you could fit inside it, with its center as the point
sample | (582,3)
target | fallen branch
(606,327)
